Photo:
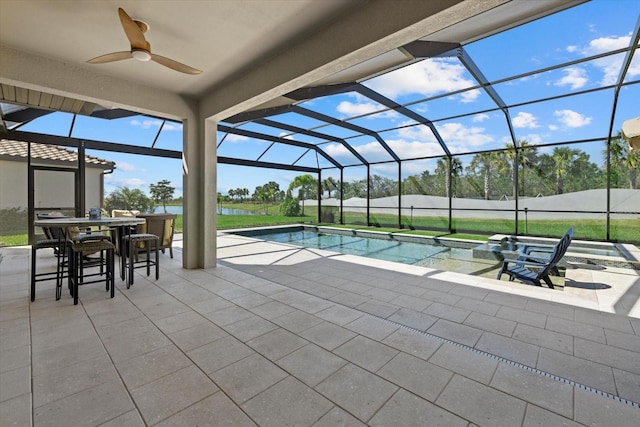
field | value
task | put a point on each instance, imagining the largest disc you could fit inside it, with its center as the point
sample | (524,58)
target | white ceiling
(232,40)
(219,37)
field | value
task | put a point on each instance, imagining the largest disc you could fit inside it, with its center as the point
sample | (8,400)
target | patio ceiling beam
(340,123)
(89,144)
(265,137)
(312,133)
(381,99)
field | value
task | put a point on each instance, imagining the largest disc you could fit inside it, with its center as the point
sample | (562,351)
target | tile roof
(10,148)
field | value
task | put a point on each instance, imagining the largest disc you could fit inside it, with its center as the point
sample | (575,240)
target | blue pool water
(384,249)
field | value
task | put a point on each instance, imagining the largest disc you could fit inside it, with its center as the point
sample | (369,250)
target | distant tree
(305,183)
(162,192)
(563,158)
(129,199)
(329,185)
(484,163)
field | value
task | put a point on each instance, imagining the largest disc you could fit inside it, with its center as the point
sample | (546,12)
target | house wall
(52,189)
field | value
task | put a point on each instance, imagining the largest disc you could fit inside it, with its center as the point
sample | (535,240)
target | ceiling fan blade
(174,65)
(133,32)
(111,57)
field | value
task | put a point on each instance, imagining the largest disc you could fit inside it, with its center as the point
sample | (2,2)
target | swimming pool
(468,257)
(448,255)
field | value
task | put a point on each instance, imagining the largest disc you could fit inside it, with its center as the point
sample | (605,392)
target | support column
(200,195)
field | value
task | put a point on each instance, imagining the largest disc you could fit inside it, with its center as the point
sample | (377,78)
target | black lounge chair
(542,253)
(533,271)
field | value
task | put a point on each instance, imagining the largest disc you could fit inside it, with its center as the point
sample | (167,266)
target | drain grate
(512,363)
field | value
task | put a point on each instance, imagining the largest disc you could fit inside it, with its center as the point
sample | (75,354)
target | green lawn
(476,229)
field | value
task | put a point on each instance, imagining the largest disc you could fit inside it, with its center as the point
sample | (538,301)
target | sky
(461,119)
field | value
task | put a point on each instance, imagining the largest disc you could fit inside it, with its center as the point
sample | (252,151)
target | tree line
(489,175)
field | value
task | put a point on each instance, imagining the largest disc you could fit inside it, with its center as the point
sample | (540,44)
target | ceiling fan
(140,47)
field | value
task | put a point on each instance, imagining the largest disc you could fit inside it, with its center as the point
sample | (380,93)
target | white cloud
(572,48)
(172,126)
(426,78)
(525,120)
(127,167)
(145,124)
(232,137)
(574,76)
(478,118)
(572,119)
(611,65)
(351,109)
(553,127)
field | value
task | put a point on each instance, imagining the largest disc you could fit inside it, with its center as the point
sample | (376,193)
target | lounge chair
(533,271)
(542,253)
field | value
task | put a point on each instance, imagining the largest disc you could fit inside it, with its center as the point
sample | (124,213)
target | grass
(465,228)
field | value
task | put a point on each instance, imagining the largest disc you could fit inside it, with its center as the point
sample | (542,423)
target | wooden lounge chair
(534,271)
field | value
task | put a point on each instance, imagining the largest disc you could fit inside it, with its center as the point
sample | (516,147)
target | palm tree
(486,162)
(303,182)
(442,168)
(622,157)
(563,158)
(522,161)
(329,185)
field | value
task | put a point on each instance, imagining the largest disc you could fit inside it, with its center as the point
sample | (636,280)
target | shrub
(290,207)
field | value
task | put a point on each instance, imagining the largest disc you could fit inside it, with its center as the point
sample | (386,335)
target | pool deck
(278,335)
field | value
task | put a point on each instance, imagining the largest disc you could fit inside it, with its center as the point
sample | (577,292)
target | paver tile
(406,409)
(545,392)
(538,417)
(247,377)
(338,417)
(356,390)
(170,394)
(509,348)
(544,338)
(196,336)
(250,328)
(416,375)
(277,344)
(372,327)
(491,324)
(615,357)
(216,410)
(413,343)
(577,369)
(467,363)
(594,410)
(148,367)
(366,353)
(311,364)
(327,335)
(288,403)
(455,332)
(65,411)
(480,404)
(220,353)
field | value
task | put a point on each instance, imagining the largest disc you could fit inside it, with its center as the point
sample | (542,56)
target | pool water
(426,255)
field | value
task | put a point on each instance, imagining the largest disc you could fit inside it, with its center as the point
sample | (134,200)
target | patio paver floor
(318,339)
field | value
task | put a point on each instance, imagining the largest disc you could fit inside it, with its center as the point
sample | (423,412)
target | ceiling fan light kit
(140,47)
(141,55)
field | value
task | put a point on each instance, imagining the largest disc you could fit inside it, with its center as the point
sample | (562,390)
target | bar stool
(131,244)
(60,250)
(82,246)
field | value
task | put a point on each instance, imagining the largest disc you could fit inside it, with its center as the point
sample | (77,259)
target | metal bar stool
(60,251)
(82,246)
(131,243)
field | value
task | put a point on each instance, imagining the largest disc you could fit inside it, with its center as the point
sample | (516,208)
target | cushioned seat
(132,244)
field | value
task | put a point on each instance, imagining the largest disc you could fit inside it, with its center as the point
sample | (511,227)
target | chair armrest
(523,262)
(527,249)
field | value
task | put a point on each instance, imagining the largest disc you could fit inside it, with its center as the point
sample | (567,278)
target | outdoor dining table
(122,225)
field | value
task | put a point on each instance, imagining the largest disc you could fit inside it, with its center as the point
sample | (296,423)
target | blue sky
(583,31)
